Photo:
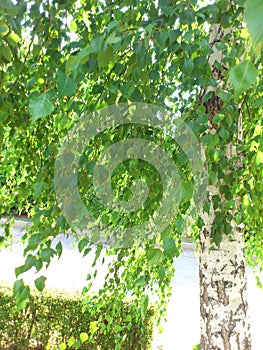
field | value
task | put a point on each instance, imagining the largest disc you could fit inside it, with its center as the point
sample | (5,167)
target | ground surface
(181,331)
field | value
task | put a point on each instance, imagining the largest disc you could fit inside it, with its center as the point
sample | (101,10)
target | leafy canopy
(62,59)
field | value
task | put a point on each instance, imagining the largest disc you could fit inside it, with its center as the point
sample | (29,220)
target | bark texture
(223,285)
(223,292)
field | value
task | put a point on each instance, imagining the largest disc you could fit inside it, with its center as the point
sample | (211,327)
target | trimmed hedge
(55,321)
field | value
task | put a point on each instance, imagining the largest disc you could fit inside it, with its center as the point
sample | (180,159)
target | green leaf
(127,89)
(78,344)
(259,158)
(7,4)
(46,254)
(217,154)
(13,39)
(75,67)
(253,15)
(169,248)
(63,346)
(40,283)
(259,101)
(59,249)
(73,26)
(223,134)
(188,66)
(18,286)
(225,96)
(84,54)
(207,207)
(90,166)
(162,37)
(154,256)
(3,30)
(140,282)
(128,318)
(187,16)
(242,76)
(104,57)
(93,327)
(83,337)
(29,263)
(82,244)
(65,85)
(210,140)
(144,304)
(38,187)
(40,107)
(216,235)
(174,35)
(113,39)
(71,62)
(181,158)
(21,292)
(218,118)
(228,228)
(187,190)
(86,251)
(71,342)
(6,53)
(97,254)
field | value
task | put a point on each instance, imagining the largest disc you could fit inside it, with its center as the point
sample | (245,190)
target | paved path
(181,331)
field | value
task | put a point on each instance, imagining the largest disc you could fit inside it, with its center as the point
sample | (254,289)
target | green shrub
(55,321)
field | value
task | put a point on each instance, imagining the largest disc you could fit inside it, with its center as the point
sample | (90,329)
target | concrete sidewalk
(181,331)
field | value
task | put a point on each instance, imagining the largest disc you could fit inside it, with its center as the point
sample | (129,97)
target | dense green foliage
(57,319)
(62,60)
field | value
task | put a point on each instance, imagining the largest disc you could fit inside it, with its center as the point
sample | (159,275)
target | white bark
(223,285)
(223,291)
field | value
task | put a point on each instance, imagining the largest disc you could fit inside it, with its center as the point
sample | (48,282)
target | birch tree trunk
(223,293)
(223,285)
